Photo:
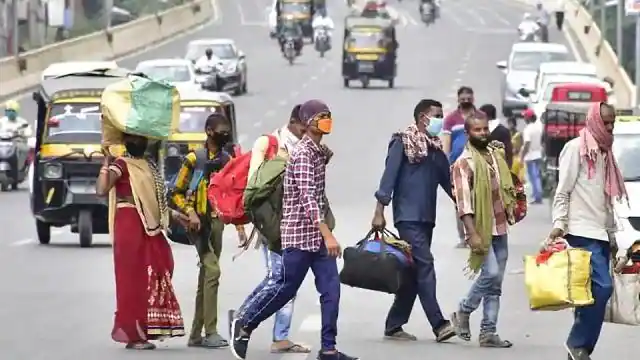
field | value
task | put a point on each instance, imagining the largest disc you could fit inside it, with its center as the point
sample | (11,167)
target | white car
(63,68)
(520,71)
(179,72)
(567,68)
(626,149)
(539,101)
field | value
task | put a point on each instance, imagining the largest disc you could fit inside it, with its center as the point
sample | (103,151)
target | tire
(85,228)
(4,187)
(14,186)
(244,86)
(391,83)
(43,230)
(345,82)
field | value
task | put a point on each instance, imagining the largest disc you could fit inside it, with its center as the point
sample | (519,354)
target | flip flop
(292,349)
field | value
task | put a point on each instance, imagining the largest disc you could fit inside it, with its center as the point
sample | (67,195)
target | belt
(125,202)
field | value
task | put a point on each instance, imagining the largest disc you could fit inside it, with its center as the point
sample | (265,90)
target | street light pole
(637,60)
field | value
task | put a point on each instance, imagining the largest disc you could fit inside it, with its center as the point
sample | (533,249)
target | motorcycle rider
(206,63)
(322,21)
(543,18)
(428,4)
(290,29)
(11,122)
(528,25)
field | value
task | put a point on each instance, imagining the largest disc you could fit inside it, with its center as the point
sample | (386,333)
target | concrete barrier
(20,74)
(600,53)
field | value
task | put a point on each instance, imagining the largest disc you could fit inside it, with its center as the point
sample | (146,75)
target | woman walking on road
(147,308)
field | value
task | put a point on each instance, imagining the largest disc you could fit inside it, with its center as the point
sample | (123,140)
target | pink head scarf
(595,140)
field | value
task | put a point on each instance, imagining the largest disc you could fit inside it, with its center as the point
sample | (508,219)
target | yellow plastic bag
(561,281)
(139,106)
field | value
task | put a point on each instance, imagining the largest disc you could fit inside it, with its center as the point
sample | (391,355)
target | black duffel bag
(378,271)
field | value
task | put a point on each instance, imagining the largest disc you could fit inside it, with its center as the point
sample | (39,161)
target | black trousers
(559,19)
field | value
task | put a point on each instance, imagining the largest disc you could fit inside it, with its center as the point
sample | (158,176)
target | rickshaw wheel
(14,186)
(391,84)
(43,230)
(4,187)
(345,82)
(85,228)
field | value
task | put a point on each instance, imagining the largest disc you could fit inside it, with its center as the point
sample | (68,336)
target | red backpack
(226,187)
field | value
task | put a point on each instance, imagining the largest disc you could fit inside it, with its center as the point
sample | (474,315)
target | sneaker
(445,332)
(239,340)
(493,341)
(577,353)
(399,335)
(335,356)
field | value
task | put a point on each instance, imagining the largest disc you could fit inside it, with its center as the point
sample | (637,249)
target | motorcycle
(530,36)
(289,50)
(322,43)
(207,79)
(427,13)
(14,160)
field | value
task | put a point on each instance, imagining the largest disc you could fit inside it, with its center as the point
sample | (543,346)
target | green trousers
(206,312)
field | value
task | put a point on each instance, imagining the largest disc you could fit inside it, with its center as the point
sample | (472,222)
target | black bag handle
(378,236)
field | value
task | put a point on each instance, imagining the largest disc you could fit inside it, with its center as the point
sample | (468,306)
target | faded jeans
(487,288)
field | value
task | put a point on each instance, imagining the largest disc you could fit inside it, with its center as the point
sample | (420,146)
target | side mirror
(34,96)
(502,65)
(241,55)
(524,92)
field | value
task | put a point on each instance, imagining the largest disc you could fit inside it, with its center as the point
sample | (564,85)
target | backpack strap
(272,148)
(198,169)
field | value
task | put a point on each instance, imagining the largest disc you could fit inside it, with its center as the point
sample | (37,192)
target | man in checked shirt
(307,242)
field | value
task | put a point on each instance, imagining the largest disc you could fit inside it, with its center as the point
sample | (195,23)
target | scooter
(207,80)
(14,160)
(289,50)
(530,36)
(322,43)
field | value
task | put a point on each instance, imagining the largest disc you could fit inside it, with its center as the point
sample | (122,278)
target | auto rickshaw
(579,92)
(301,11)
(196,107)
(369,51)
(68,156)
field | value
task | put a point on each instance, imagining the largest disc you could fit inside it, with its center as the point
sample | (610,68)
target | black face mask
(479,143)
(221,138)
(466,105)
(136,149)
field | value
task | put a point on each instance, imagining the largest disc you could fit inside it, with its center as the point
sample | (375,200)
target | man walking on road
(287,137)
(485,197)
(531,154)
(307,241)
(415,167)
(589,180)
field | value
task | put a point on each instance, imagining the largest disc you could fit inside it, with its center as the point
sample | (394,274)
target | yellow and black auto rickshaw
(68,155)
(196,107)
(301,11)
(369,51)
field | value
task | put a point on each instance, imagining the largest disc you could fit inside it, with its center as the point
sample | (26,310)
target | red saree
(146,305)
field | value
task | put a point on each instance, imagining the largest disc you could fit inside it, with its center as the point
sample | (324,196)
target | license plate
(82,189)
(4,166)
(365,67)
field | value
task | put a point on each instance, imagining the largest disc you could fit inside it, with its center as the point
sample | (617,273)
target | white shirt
(532,134)
(580,206)
(205,64)
(286,142)
(16,126)
(528,27)
(320,21)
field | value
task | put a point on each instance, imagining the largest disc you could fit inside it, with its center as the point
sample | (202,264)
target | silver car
(231,72)
(520,72)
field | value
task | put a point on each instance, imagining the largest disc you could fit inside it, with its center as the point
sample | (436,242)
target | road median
(18,74)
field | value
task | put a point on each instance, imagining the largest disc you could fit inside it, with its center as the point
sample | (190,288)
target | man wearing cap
(307,241)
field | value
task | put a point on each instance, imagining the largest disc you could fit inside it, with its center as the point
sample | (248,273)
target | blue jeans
(419,282)
(535,177)
(283,317)
(295,265)
(588,320)
(488,286)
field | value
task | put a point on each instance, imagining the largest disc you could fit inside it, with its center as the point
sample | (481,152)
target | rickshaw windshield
(295,8)
(365,40)
(626,149)
(74,123)
(193,118)
(530,60)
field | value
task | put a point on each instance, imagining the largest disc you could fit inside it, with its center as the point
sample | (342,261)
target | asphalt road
(57,301)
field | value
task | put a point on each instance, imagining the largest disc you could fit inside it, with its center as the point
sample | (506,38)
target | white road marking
(496,14)
(282,102)
(258,124)
(451,14)
(294,94)
(270,113)
(22,242)
(311,323)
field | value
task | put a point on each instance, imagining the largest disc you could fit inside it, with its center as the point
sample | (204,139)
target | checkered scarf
(417,143)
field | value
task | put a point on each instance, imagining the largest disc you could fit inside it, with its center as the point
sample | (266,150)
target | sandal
(289,348)
(493,341)
(140,346)
(461,325)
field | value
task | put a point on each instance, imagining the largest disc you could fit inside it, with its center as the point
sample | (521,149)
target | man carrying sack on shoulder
(485,199)
(588,181)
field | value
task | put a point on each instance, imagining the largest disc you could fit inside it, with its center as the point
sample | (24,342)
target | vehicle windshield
(193,118)
(571,95)
(171,73)
(295,8)
(221,51)
(626,149)
(530,61)
(78,123)
(365,39)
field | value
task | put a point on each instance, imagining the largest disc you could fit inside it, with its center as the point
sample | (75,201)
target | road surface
(57,301)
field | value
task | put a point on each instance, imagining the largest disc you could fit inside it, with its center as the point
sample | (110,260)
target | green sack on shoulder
(264,181)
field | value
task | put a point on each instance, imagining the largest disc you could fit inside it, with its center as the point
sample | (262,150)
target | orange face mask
(324,123)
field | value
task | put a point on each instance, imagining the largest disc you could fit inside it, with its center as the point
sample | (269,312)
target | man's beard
(478,142)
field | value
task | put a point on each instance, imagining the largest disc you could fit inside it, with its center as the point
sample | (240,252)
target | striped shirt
(462,173)
(304,201)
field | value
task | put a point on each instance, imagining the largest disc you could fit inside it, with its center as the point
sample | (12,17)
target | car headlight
(219,67)
(173,151)
(52,171)
(232,68)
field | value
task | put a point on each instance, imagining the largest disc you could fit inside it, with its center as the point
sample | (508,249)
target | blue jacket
(413,187)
